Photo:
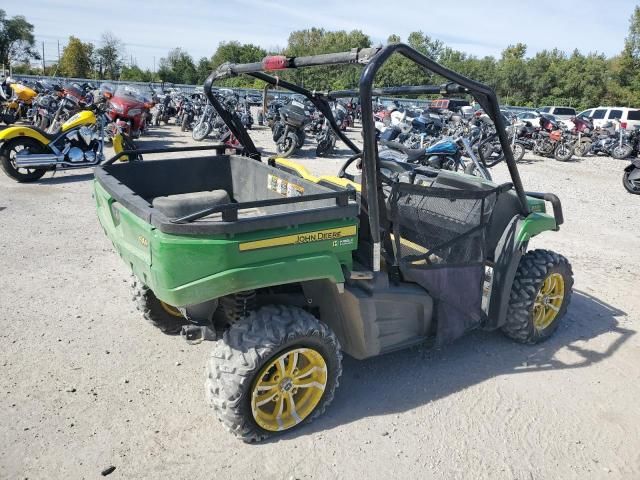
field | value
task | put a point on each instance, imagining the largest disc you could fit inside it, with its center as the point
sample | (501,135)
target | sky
(149,29)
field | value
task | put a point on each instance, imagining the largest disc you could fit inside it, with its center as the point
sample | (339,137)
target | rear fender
(20,131)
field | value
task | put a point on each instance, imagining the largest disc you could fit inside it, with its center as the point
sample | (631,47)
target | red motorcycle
(583,130)
(128,110)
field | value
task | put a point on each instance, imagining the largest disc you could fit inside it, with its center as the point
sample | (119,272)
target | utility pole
(58,52)
(44,72)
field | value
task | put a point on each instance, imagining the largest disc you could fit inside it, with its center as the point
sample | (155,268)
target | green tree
(16,39)
(203,69)
(136,74)
(317,40)
(234,52)
(177,67)
(109,56)
(75,60)
(513,82)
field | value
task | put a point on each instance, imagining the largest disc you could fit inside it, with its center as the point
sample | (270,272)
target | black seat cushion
(176,206)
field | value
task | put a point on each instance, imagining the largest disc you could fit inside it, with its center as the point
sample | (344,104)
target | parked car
(563,113)
(629,118)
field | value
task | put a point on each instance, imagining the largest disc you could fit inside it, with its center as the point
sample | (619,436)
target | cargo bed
(220,194)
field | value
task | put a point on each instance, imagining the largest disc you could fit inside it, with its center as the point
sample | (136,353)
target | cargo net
(438,226)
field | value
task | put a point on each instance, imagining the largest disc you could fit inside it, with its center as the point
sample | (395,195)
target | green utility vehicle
(285,271)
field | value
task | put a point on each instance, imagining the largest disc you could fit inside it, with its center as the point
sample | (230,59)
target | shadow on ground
(402,381)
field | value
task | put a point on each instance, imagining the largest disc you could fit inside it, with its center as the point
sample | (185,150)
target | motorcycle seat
(413,154)
(49,136)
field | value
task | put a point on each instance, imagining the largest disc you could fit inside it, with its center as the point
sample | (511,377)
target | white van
(629,118)
(563,113)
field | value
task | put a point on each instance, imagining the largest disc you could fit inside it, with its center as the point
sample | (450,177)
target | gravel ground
(86,384)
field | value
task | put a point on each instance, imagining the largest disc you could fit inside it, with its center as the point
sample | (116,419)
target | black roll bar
(231,120)
(444,90)
(373,58)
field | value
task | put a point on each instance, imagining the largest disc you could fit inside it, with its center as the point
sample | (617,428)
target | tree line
(549,77)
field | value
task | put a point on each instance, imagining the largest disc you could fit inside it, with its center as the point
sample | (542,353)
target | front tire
(621,152)
(201,130)
(540,295)
(631,185)
(563,152)
(273,371)
(287,145)
(7,159)
(518,151)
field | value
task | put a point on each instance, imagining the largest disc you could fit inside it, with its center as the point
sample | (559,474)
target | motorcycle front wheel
(8,154)
(518,151)
(620,152)
(563,152)
(287,145)
(201,130)
(631,180)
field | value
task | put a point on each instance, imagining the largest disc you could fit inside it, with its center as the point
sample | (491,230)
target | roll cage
(372,59)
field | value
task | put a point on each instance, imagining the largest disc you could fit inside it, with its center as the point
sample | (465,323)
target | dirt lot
(87,384)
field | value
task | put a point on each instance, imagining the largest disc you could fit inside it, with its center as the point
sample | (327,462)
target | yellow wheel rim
(548,301)
(170,309)
(288,389)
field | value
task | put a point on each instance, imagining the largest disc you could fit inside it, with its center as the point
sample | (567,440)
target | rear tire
(524,323)
(240,364)
(582,148)
(7,154)
(159,314)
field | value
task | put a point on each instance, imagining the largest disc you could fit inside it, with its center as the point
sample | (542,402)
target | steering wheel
(388,165)
(342,173)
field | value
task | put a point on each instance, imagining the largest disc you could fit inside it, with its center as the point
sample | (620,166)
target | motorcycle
(288,132)
(631,177)
(583,131)
(16,100)
(69,103)
(245,114)
(26,154)
(127,111)
(326,137)
(547,140)
(444,154)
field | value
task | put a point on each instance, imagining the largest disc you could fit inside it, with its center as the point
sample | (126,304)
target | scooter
(26,153)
